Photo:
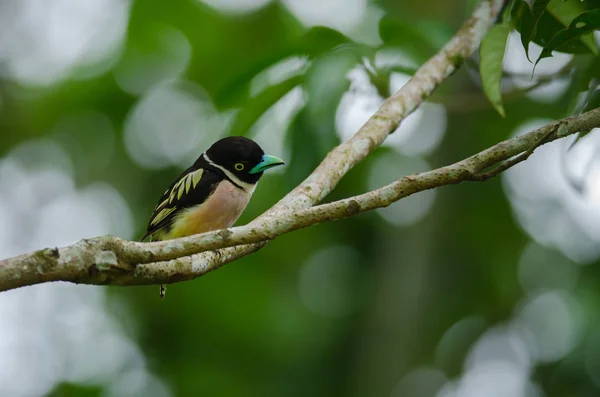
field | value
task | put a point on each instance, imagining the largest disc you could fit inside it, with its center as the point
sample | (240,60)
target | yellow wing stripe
(181,190)
(184,185)
(188,184)
(162,215)
(197,177)
(162,205)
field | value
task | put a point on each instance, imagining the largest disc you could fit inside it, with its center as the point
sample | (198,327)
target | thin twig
(483,176)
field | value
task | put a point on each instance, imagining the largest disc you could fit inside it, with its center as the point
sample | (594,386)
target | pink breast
(219,211)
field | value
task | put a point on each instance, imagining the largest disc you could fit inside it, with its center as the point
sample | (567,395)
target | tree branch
(110,260)
(269,228)
(483,176)
(393,110)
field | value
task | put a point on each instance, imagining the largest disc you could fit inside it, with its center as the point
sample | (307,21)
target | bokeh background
(480,289)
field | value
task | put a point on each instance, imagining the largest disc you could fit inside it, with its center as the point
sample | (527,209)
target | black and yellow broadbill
(212,193)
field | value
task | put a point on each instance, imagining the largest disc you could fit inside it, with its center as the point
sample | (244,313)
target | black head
(242,157)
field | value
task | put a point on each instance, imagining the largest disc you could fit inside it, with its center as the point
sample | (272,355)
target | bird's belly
(219,211)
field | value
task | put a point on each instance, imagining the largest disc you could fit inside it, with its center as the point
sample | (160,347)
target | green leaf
(259,104)
(420,40)
(299,139)
(404,69)
(530,17)
(236,91)
(585,69)
(491,54)
(525,24)
(320,39)
(538,8)
(590,5)
(312,134)
(541,28)
(566,11)
(325,84)
(585,23)
(316,41)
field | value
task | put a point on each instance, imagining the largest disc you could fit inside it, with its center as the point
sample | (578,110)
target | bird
(212,193)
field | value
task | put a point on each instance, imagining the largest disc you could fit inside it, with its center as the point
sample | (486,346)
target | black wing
(191,188)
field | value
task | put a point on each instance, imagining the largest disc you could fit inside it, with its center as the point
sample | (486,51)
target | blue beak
(266,163)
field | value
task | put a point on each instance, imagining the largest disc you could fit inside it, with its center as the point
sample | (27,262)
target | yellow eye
(238,166)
